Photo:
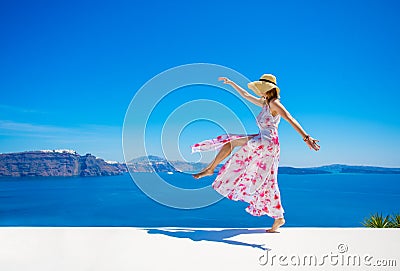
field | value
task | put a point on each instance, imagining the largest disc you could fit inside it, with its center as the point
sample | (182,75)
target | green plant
(377,221)
(395,221)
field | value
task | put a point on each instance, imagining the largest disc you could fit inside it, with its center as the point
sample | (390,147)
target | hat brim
(260,88)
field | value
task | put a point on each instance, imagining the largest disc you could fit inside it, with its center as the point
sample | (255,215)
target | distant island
(154,163)
(56,163)
(70,163)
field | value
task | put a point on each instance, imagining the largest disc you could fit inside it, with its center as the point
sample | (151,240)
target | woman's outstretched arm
(277,106)
(255,100)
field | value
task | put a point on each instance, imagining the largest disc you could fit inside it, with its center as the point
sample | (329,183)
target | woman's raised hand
(225,79)
(312,143)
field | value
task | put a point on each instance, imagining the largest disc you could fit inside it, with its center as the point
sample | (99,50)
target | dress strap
(265,101)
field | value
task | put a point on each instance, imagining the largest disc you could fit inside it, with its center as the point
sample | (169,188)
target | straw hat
(264,84)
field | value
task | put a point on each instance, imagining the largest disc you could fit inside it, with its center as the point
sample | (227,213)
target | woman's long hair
(271,94)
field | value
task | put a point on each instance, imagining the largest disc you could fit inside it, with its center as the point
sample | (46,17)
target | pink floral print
(250,174)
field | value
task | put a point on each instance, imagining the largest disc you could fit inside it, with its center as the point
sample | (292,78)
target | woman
(250,175)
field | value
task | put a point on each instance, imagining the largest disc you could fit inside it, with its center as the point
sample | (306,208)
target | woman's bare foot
(206,172)
(277,223)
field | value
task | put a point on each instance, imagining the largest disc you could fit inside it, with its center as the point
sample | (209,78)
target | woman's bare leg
(222,154)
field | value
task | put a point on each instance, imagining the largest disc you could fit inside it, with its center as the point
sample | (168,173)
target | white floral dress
(251,173)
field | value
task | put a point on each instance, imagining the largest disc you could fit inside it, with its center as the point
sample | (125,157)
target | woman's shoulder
(272,106)
(274,101)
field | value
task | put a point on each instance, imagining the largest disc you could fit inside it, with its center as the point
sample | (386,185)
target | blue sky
(70,69)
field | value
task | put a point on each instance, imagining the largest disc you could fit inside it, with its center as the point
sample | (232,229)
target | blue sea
(320,200)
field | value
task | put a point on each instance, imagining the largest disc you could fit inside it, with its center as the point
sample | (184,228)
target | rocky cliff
(70,163)
(56,163)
